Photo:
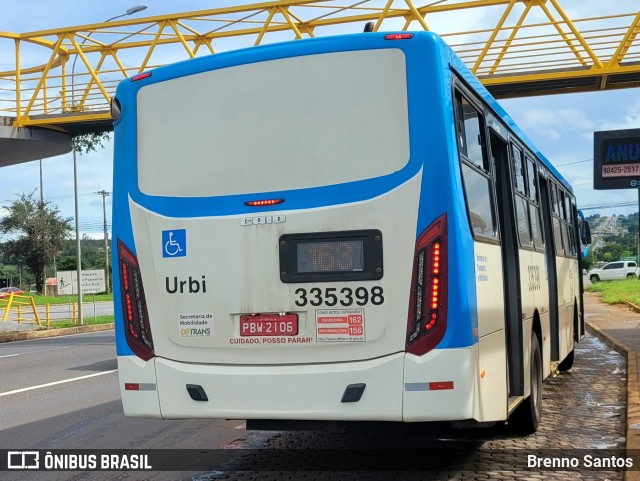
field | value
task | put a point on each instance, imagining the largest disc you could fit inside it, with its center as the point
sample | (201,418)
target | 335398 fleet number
(333,296)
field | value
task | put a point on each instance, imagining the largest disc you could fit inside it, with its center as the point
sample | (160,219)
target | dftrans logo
(174,243)
(23,460)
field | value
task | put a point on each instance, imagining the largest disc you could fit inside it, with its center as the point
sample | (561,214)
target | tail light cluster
(427,319)
(134,305)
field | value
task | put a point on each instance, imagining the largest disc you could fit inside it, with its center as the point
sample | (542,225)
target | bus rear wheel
(526,418)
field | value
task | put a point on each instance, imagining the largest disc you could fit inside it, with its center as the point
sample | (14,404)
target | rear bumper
(394,389)
(311,392)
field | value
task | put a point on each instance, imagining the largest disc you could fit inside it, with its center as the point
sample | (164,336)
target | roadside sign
(93,282)
(616,155)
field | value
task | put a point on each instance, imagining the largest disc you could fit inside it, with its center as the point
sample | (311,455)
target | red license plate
(269,325)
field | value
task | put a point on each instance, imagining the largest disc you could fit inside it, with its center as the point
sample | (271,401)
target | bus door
(550,262)
(510,265)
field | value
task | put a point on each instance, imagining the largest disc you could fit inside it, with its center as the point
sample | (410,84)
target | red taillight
(427,319)
(259,203)
(134,305)
(140,76)
(398,36)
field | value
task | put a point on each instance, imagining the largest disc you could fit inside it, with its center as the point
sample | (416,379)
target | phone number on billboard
(622,170)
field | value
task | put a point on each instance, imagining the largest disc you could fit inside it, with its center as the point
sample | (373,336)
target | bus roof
(252,54)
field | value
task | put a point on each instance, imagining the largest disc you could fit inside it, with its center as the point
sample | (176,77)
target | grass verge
(617,292)
(42,300)
(88,321)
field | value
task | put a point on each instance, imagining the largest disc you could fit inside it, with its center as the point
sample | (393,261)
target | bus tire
(527,416)
(567,362)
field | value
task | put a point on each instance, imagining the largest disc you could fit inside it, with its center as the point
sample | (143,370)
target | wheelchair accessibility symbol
(174,243)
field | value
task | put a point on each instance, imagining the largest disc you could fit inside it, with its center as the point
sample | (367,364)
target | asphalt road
(62,393)
(83,409)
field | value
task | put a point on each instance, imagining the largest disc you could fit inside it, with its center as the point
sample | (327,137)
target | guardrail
(61,312)
(23,309)
(22,306)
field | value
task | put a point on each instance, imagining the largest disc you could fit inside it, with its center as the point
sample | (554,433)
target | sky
(561,126)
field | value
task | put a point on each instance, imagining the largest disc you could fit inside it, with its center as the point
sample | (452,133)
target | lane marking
(53,349)
(40,386)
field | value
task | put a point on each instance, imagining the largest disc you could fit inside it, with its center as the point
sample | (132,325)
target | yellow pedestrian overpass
(63,78)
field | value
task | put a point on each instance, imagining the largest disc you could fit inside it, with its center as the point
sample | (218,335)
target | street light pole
(78,252)
(130,11)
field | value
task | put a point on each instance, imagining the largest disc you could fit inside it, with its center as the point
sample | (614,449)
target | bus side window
(557,235)
(534,205)
(557,222)
(518,171)
(554,198)
(470,136)
(531,177)
(476,175)
(565,216)
(479,202)
(520,197)
(572,233)
(522,219)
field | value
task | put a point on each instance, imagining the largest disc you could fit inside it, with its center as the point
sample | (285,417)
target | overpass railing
(67,75)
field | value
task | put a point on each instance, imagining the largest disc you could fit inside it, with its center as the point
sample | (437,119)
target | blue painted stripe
(433,147)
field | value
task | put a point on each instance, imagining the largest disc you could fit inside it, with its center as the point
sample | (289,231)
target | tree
(89,142)
(69,263)
(36,231)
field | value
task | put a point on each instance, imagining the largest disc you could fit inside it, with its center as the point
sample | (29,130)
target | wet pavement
(619,325)
(583,415)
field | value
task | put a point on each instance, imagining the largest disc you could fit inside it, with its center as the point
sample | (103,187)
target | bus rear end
(266,208)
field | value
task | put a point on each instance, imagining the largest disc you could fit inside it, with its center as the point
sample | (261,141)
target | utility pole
(104,195)
(41,191)
(44,274)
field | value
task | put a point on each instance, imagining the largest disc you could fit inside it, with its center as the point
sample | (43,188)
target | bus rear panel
(293,241)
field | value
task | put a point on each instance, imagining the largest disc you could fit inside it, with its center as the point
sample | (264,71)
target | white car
(614,270)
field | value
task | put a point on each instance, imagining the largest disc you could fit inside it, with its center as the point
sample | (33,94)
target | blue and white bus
(336,229)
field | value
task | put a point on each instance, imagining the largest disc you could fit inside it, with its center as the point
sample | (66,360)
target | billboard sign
(616,159)
(93,282)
